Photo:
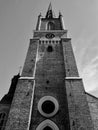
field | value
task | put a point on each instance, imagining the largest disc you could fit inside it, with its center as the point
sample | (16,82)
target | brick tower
(49,94)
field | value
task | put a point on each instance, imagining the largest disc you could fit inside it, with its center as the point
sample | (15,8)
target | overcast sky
(18,19)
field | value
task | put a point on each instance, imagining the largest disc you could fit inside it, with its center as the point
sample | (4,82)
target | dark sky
(18,19)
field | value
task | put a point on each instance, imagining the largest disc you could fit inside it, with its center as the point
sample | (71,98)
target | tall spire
(50,6)
(49,13)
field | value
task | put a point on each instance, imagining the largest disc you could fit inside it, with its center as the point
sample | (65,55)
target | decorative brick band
(27,78)
(73,78)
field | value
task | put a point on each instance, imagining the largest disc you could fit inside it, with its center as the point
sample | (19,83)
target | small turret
(62,21)
(38,22)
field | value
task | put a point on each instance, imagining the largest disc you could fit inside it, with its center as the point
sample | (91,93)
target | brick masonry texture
(77,103)
(70,64)
(20,109)
(50,67)
(93,105)
(30,59)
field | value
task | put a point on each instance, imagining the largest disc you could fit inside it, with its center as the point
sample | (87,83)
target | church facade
(49,94)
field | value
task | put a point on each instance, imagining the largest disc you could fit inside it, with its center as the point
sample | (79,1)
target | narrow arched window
(2,119)
(50,26)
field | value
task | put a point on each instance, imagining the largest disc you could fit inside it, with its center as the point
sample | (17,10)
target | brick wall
(50,67)
(21,105)
(93,106)
(77,103)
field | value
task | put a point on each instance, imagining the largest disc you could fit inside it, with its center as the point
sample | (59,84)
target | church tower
(49,94)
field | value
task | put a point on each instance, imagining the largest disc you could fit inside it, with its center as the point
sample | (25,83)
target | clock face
(50,35)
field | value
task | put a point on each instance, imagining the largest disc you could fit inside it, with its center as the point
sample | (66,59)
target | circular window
(47,125)
(48,106)
(49,49)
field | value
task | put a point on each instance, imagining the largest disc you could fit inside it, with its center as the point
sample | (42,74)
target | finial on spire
(50,6)
(49,13)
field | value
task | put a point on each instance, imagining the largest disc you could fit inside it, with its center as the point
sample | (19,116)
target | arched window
(47,125)
(2,118)
(50,26)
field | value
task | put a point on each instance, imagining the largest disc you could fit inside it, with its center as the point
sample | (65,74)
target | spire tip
(49,13)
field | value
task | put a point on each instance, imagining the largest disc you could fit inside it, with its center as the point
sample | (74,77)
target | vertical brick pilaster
(79,113)
(69,60)
(30,59)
